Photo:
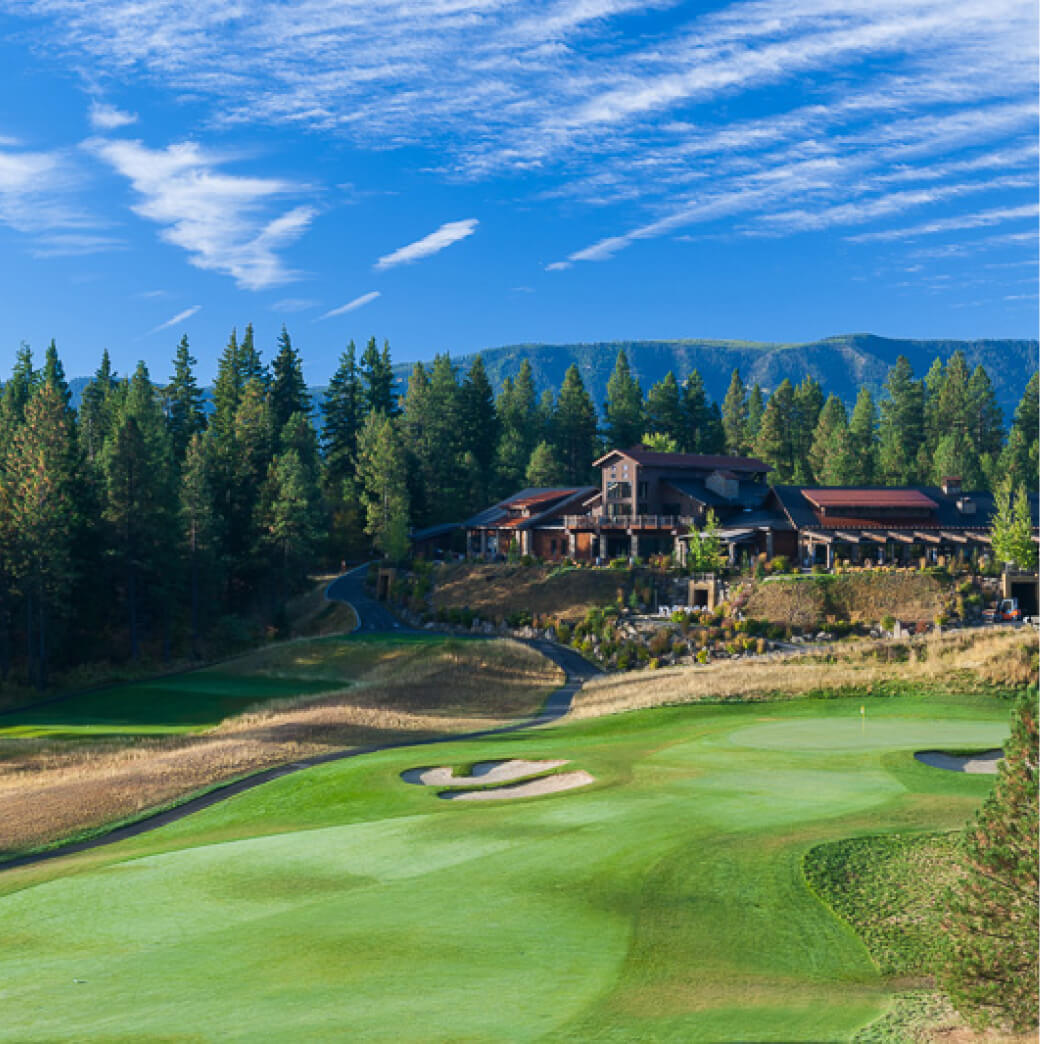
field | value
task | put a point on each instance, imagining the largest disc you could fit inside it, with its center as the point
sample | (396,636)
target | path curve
(372,618)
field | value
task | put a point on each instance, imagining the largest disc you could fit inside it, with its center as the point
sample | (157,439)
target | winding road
(373,618)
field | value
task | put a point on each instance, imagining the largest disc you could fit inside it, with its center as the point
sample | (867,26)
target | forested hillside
(841,364)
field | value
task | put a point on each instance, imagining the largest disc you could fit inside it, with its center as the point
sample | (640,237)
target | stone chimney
(951,485)
(725,483)
(966,505)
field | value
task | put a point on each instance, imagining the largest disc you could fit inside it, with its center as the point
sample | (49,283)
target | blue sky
(459,174)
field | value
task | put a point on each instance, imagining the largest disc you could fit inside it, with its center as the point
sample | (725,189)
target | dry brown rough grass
(492,590)
(53,790)
(964,659)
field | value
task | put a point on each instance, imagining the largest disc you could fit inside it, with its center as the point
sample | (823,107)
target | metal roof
(869,497)
(687,460)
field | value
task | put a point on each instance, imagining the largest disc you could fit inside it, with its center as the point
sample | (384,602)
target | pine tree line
(142,521)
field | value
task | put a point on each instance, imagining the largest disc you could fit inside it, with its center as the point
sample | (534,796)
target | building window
(619,490)
(642,490)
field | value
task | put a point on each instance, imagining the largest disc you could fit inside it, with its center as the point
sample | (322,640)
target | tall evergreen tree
(185,413)
(574,438)
(830,456)
(344,405)
(288,393)
(41,479)
(624,406)
(713,437)
(381,471)
(664,412)
(25,379)
(901,433)
(95,412)
(140,500)
(735,416)
(1019,459)
(774,444)
(54,374)
(992,908)
(808,401)
(377,372)
(518,414)
(863,469)
(250,365)
(199,532)
(695,415)
(479,428)
(227,390)
(756,407)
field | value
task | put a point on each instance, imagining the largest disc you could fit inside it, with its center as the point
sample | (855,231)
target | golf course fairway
(664,902)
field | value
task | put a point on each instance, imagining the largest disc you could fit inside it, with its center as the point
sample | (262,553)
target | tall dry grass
(50,790)
(961,660)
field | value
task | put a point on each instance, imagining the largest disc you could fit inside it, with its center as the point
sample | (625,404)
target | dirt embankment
(498,590)
(807,601)
(51,790)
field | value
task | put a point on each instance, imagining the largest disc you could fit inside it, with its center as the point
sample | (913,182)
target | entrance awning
(849,538)
(731,535)
(926,538)
(902,538)
(954,538)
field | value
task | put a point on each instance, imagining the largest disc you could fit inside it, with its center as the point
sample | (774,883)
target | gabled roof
(497,515)
(749,494)
(700,461)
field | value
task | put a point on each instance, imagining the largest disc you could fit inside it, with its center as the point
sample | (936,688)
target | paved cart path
(373,618)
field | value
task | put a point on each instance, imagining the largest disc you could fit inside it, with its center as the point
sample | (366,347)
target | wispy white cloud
(107,117)
(980,219)
(37,191)
(434,243)
(294,304)
(221,220)
(74,244)
(180,317)
(350,306)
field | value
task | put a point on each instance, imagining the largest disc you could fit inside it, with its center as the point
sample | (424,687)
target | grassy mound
(804,601)
(502,589)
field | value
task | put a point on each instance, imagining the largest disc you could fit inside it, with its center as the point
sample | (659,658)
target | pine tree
(255,443)
(901,433)
(288,392)
(95,411)
(1019,458)
(574,438)
(829,456)
(199,531)
(479,428)
(344,404)
(41,479)
(543,469)
(992,910)
(227,391)
(54,375)
(185,413)
(985,416)
(377,372)
(249,364)
(624,406)
(25,379)
(756,407)
(518,415)
(863,454)
(418,436)
(381,471)
(140,499)
(808,401)
(713,438)
(735,416)
(774,438)
(932,386)
(664,412)
(695,415)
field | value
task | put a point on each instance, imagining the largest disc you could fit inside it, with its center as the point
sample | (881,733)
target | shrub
(703,656)
(678,648)
(619,563)
(563,633)
(888,622)
(660,642)
(654,663)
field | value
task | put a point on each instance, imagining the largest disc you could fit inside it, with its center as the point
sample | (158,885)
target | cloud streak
(351,306)
(180,317)
(108,117)
(449,233)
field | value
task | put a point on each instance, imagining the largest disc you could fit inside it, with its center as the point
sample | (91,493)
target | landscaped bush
(619,563)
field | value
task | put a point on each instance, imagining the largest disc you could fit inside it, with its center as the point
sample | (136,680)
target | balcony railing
(598,522)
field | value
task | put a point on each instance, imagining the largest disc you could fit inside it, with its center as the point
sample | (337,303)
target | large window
(618,509)
(619,490)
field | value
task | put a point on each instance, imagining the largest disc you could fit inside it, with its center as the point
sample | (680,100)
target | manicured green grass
(198,700)
(665,902)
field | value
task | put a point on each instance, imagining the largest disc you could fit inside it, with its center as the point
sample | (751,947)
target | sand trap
(484,773)
(977,764)
(532,788)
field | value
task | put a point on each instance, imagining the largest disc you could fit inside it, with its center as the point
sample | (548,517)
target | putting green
(664,902)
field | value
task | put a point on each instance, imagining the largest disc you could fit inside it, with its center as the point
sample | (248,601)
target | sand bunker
(984,763)
(532,788)
(484,773)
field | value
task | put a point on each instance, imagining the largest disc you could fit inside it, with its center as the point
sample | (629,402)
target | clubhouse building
(646,503)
